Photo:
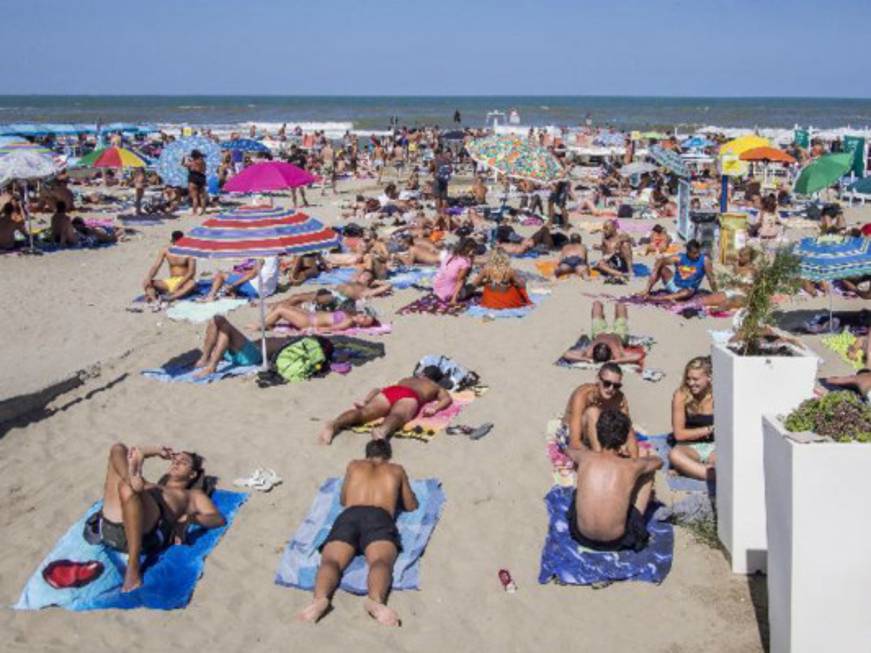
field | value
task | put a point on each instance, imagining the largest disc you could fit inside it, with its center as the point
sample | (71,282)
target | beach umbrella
(653,135)
(669,160)
(24,164)
(169,165)
(18,145)
(269,176)
(822,173)
(636,168)
(768,154)
(516,158)
(112,157)
(245,145)
(255,232)
(696,143)
(830,258)
(454,135)
(741,144)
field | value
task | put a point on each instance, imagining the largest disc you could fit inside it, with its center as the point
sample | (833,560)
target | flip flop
(481,431)
(65,574)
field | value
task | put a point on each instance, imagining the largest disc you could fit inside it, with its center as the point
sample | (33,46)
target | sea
(372,114)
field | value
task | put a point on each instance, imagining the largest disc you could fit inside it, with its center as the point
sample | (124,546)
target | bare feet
(381,613)
(201,361)
(134,468)
(379,433)
(314,612)
(132,580)
(327,433)
(204,372)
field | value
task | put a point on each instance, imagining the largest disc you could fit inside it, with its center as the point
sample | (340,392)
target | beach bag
(300,360)
(625,211)
(456,377)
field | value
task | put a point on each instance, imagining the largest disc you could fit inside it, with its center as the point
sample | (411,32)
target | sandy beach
(65,312)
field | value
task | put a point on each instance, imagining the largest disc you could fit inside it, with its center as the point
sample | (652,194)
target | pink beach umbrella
(268,176)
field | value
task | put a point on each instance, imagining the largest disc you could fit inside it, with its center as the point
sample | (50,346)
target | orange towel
(511,297)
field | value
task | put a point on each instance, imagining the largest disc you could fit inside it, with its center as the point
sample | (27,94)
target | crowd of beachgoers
(590,217)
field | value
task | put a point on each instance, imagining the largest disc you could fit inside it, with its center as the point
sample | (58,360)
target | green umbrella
(822,173)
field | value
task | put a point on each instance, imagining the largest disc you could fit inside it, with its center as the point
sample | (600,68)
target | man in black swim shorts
(372,492)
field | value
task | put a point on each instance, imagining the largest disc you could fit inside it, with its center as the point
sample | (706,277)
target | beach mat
(565,561)
(202,289)
(168,578)
(426,428)
(334,277)
(299,563)
(181,370)
(840,343)
(432,305)
(412,277)
(635,343)
(188,310)
(476,310)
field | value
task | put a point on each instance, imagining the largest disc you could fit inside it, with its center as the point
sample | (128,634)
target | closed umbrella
(258,233)
(269,176)
(830,258)
(823,172)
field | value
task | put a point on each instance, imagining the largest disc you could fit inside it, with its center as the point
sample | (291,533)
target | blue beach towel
(198,312)
(184,372)
(408,277)
(640,270)
(168,580)
(568,563)
(202,289)
(299,564)
(675,482)
(476,310)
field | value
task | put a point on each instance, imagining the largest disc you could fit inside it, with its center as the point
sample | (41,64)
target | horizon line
(450,96)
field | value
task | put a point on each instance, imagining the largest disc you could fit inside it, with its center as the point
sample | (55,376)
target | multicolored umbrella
(169,166)
(245,145)
(669,160)
(256,232)
(269,176)
(769,154)
(823,172)
(741,144)
(516,158)
(112,157)
(829,258)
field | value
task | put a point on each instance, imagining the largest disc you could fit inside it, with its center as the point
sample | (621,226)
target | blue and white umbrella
(696,143)
(245,145)
(169,166)
(829,258)
(669,160)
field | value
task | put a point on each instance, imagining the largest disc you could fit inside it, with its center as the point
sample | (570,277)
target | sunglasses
(610,384)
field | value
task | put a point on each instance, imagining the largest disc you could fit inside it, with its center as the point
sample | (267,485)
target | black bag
(625,211)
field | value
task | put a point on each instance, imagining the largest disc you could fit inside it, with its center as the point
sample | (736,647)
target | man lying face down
(373,491)
(608,505)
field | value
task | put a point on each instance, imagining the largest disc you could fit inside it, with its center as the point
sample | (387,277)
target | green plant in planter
(774,275)
(838,415)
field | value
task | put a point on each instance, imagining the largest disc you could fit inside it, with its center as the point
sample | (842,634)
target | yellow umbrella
(743,143)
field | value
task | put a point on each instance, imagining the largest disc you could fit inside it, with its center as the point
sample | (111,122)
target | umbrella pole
(831,312)
(27,215)
(264,365)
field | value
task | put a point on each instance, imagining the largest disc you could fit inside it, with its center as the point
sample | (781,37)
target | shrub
(838,415)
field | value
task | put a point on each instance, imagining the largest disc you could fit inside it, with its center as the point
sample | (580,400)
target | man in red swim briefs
(397,404)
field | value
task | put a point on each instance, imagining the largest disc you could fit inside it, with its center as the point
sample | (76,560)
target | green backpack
(300,360)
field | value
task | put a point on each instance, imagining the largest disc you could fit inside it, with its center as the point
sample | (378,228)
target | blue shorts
(248,355)
(247,289)
(673,288)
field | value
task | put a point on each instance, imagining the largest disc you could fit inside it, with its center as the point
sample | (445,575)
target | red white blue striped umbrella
(254,232)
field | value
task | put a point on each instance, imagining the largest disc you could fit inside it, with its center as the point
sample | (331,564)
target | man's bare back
(373,483)
(606,484)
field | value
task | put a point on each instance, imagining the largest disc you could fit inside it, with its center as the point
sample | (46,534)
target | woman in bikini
(196,166)
(324,321)
(692,418)
(503,287)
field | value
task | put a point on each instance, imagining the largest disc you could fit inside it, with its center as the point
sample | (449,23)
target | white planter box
(745,387)
(819,560)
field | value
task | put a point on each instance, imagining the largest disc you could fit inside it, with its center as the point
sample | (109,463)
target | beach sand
(65,312)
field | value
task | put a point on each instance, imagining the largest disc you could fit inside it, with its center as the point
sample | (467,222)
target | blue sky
(449,47)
